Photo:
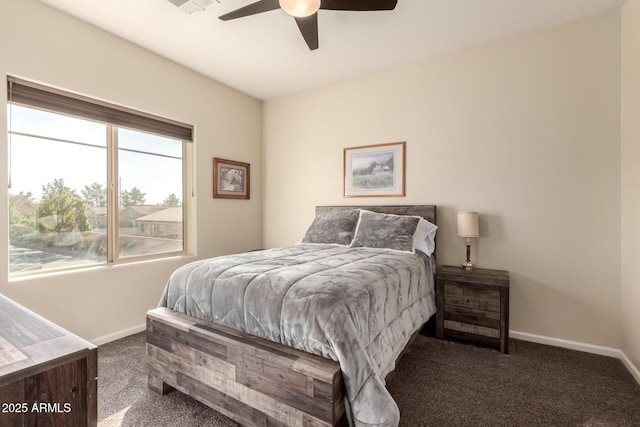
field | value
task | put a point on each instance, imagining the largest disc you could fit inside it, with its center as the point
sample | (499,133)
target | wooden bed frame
(251,380)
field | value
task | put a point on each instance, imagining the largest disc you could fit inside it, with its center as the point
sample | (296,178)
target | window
(91,183)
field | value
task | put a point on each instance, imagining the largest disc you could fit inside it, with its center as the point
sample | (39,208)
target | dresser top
(28,340)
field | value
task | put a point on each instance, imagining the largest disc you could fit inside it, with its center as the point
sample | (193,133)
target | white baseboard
(634,370)
(117,335)
(573,345)
(579,346)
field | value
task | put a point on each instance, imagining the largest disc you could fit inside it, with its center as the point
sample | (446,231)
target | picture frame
(374,170)
(231,179)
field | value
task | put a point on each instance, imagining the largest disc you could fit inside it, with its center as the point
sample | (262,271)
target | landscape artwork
(230,179)
(374,170)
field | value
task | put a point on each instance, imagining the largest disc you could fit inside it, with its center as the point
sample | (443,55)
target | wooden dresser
(473,305)
(48,376)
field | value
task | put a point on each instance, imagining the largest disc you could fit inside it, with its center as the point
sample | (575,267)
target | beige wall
(42,44)
(630,131)
(523,130)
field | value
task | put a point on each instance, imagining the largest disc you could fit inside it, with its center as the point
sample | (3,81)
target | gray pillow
(385,231)
(333,228)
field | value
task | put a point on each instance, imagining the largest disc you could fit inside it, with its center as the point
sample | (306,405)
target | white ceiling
(265,56)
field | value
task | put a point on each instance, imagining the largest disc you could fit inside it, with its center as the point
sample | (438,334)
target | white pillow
(424,239)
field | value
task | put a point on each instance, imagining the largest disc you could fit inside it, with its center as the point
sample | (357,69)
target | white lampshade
(468,224)
(300,8)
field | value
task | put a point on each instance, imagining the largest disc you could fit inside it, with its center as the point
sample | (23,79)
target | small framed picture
(230,179)
(374,170)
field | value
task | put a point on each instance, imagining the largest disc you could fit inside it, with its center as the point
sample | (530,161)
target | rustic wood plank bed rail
(251,380)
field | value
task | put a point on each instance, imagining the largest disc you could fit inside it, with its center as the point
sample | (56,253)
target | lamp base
(467,265)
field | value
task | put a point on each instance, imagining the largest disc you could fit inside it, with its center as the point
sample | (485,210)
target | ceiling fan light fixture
(300,8)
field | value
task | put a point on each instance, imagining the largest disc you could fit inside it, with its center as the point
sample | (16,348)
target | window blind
(55,100)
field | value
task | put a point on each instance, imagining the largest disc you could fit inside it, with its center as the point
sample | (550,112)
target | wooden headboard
(427,212)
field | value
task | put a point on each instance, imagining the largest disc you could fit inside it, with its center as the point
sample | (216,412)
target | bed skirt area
(251,380)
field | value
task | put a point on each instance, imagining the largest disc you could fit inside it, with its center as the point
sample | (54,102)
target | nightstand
(473,305)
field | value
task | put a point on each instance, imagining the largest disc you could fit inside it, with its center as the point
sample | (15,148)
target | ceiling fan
(305,12)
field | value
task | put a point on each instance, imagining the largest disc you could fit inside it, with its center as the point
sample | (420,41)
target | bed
(303,335)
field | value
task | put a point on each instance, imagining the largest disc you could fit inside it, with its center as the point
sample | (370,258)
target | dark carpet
(436,383)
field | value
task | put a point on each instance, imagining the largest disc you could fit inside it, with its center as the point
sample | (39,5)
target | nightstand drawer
(472,321)
(489,319)
(477,296)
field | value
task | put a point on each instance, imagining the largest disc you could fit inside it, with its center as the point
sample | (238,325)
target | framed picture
(230,179)
(374,170)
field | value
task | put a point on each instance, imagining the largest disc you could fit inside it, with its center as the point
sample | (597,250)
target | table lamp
(468,228)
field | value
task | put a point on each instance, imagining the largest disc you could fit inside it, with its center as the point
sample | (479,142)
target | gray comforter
(354,305)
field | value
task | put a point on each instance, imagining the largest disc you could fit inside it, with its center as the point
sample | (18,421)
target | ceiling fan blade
(359,5)
(309,28)
(252,9)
